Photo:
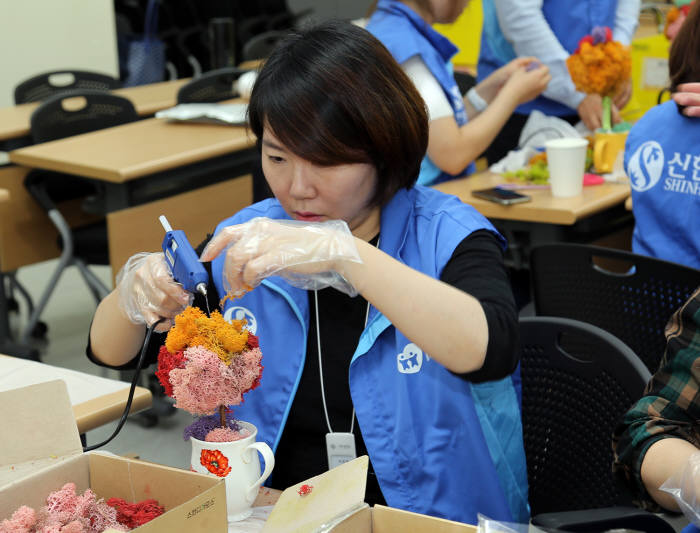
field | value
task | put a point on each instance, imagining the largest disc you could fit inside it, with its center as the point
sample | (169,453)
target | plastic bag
(231,114)
(146,56)
(684,486)
(540,128)
(486,525)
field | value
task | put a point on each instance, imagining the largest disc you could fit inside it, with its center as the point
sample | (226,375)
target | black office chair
(577,382)
(213,86)
(35,89)
(86,244)
(41,86)
(262,45)
(633,302)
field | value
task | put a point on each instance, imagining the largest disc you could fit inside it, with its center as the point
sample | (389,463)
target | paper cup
(566,159)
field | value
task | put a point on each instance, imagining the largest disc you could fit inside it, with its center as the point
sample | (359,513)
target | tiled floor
(68,316)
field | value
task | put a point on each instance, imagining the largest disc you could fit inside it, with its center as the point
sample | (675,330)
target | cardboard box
(380,519)
(333,502)
(40,451)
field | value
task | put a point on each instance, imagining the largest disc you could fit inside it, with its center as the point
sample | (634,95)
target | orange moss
(193,328)
(601,68)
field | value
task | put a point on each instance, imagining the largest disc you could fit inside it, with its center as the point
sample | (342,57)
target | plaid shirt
(670,406)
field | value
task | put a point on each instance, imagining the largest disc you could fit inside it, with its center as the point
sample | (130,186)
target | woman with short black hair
(421,360)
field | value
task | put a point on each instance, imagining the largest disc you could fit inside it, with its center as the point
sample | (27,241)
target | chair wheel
(162,407)
(39,330)
(12,305)
(146,419)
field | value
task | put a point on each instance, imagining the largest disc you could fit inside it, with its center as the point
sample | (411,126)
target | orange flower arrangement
(600,66)
(207,364)
(675,17)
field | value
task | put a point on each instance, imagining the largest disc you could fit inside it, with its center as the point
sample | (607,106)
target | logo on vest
(410,360)
(241,313)
(646,166)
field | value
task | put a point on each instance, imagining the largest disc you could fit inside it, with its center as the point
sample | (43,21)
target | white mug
(238,463)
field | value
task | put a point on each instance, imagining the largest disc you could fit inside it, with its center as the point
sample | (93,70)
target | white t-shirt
(428,87)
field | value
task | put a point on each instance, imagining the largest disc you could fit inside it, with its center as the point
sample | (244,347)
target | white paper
(253,523)
(15,373)
(232,114)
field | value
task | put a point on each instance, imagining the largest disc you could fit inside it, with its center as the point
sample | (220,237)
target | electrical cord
(134,381)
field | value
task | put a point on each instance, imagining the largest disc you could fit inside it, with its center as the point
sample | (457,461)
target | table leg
(7,345)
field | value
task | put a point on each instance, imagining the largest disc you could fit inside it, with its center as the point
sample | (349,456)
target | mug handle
(599,155)
(269,457)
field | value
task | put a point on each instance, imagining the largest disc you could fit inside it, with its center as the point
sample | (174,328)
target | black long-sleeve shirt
(476,267)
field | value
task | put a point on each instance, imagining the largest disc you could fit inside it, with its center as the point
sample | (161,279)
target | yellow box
(465,33)
(649,74)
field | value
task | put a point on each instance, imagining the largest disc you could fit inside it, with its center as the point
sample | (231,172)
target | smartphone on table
(501,196)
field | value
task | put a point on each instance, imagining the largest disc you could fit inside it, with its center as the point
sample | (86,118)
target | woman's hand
(308,255)
(525,84)
(147,291)
(623,95)
(591,112)
(688,95)
(489,87)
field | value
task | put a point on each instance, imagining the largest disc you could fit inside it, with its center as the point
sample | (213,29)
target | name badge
(340,448)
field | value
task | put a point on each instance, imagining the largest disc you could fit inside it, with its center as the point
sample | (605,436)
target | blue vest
(439,444)
(405,35)
(662,160)
(569,20)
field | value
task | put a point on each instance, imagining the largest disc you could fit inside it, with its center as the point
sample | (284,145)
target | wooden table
(147,99)
(544,208)
(596,213)
(147,160)
(99,400)
(134,150)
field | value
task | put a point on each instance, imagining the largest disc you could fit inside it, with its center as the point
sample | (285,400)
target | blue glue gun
(182,260)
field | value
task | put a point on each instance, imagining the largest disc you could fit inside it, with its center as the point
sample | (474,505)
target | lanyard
(320,363)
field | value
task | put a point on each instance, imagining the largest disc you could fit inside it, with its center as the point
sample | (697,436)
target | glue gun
(182,260)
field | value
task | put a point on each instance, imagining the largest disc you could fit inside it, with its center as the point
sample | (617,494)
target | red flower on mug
(216,462)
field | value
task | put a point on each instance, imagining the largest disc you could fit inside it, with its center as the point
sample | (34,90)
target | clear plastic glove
(684,486)
(147,291)
(309,255)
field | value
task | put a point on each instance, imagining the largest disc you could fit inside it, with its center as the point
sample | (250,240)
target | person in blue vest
(551,30)
(416,370)
(662,160)
(461,127)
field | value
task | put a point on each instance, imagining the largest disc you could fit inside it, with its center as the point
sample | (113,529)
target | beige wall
(41,35)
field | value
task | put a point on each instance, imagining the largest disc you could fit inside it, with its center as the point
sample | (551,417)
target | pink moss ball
(226,435)
(23,520)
